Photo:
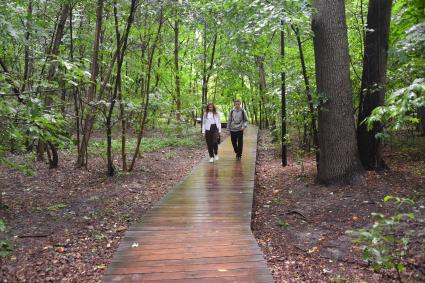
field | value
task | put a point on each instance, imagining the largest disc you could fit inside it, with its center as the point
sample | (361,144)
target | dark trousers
(237,142)
(211,136)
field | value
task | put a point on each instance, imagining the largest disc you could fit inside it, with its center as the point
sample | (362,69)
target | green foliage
(384,245)
(56,206)
(24,123)
(5,246)
(400,108)
(150,144)
(282,223)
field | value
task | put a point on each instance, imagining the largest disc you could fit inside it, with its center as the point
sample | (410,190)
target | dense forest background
(69,68)
(82,80)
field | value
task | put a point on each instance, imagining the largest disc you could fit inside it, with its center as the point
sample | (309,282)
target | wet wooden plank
(200,231)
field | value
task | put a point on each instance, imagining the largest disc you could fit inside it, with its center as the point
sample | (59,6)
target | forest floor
(65,224)
(301,226)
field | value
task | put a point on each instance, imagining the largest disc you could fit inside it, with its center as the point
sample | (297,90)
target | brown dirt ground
(65,224)
(301,225)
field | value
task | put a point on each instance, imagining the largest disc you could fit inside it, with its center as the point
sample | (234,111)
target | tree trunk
(121,54)
(177,69)
(27,61)
(207,72)
(308,93)
(54,52)
(373,82)
(262,88)
(204,74)
(339,159)
(82,153)
(283,96)
(74,90)
(142,121)
(421,115)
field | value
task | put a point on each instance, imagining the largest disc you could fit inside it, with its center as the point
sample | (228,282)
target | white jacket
(210,119)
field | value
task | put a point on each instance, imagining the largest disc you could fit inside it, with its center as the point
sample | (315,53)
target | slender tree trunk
(207,72)
(27,61)
(262,88)
(421,114)
(142,121)
(74,90)
(309,96)
(204,73)
(339,160)
(88,124)
(283,96)
(121,54)
(54,52)
(177,69)
(373,82)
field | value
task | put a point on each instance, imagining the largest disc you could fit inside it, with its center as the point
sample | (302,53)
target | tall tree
(283,95)
(121,51)
(51,148)
(82,152)
(176,64)
(373,82)
(143,116)
(339,159)
(308,93)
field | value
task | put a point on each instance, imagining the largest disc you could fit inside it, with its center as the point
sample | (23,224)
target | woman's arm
(218,122)
(204,119)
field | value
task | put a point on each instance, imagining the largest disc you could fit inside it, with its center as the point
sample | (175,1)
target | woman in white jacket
(211,129)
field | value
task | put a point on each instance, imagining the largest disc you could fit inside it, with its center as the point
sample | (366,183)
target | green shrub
(5,246)
(384,245)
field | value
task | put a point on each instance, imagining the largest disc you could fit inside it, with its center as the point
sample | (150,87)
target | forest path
(200,231)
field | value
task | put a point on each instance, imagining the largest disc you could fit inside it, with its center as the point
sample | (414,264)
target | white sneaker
(211,159)
(216,157)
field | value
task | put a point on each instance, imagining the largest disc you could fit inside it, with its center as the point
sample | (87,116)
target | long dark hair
(214,109)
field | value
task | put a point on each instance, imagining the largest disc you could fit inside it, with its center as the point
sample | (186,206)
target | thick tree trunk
(339,159)
(373,82)
(308,93)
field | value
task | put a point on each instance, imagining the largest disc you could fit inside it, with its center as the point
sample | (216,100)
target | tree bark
(339,160)
(207,72)
(373,82)
(262,89)
(142,121)
(82,154)
(27,61)
(121,54)
(308,93)
(283,96)
(421,114)
(177,69)
(54,52)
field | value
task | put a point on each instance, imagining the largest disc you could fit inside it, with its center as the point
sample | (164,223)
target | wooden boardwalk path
(200,231)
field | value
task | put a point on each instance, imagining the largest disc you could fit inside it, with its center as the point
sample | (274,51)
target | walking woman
(211,129)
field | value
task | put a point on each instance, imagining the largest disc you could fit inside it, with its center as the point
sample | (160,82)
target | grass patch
(56,206)
(282,223)
(148,144)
